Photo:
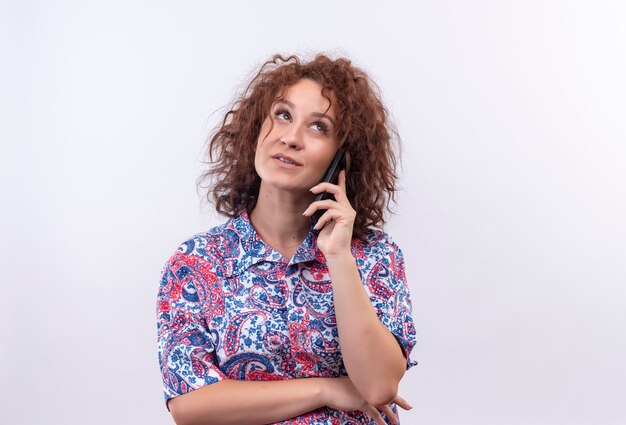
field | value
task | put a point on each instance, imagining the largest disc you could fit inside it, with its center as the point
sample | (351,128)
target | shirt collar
(242,247)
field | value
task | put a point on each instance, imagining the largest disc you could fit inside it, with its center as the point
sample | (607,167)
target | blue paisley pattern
(231,307)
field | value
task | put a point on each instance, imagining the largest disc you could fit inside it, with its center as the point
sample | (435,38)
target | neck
(277,217)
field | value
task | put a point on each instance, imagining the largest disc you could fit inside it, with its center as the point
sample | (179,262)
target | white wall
(512,217)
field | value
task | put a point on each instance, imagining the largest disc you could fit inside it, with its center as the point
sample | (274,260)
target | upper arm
(186,352)
(390,296)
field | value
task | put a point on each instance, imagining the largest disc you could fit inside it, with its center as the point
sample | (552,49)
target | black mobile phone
(331,176)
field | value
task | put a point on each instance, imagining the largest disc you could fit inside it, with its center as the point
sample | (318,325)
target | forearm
(247,402)
(371,354)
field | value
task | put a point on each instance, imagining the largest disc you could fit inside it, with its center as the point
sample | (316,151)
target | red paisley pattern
(230,306)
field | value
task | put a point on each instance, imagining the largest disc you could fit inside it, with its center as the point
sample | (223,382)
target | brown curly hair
(363,127)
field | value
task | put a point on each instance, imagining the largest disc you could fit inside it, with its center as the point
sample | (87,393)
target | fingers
(328,216)
(386,409)
(325,204)
(402,403)
(334,211)
(342,180)
(339,191)
(373,413)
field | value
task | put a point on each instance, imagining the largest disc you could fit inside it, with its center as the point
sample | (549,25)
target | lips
(286,158)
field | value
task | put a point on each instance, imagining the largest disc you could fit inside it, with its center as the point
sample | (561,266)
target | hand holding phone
(331,176)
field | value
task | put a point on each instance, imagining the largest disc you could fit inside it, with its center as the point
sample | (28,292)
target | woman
(251,314)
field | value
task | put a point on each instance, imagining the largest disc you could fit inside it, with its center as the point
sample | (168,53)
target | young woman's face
(302,131)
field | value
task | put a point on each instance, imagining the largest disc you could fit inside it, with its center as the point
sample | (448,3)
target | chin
(285,183)
(286,186)
(294,182)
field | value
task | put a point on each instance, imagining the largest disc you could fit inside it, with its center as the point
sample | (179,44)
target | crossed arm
(373,359)
(371,354)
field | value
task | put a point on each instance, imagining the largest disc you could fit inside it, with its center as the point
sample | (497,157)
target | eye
(282,114)
(321,126)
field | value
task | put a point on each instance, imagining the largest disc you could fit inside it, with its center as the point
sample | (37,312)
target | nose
(292,137)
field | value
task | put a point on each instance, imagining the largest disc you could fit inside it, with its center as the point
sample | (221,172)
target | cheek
(323,159)
(258,156)
(266,127)
(263,137)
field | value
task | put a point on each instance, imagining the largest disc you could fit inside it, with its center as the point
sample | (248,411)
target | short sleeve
(185,348)
(390,296)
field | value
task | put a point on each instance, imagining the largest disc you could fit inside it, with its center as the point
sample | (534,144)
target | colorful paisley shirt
(230,306)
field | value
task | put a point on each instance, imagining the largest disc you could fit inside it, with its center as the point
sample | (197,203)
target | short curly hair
(364,128)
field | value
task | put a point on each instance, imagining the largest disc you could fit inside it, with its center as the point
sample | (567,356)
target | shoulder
(377,255)
(377,245)
(204,244)
(190,278)
(381,264)
(202,251)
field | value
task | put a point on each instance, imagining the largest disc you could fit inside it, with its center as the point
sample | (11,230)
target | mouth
(287,160)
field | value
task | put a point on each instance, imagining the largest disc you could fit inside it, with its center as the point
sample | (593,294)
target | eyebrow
(315,114)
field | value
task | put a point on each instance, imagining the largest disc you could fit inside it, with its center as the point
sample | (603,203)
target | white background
(511,219)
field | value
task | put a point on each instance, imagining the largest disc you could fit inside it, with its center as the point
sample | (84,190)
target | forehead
(307,95)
